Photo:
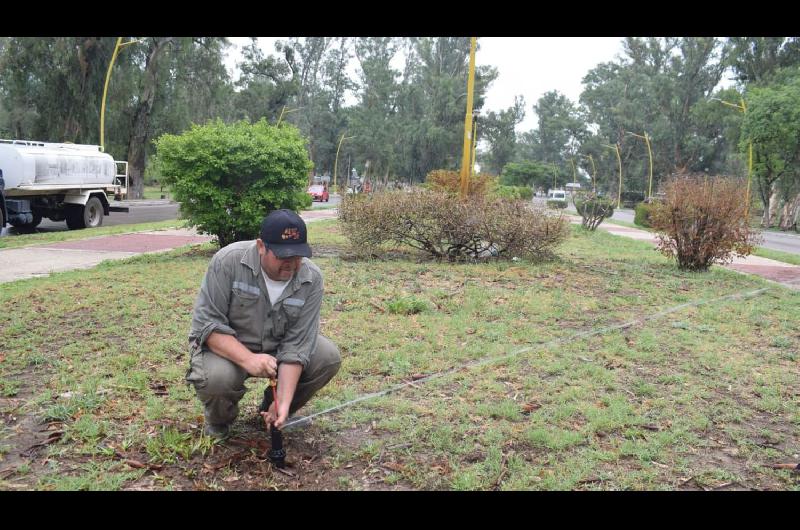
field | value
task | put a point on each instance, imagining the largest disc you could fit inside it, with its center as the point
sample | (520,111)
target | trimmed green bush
(228,177)
(555,204)
(516,193)
(642,217)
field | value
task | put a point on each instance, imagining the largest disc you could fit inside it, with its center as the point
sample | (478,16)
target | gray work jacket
(233,300)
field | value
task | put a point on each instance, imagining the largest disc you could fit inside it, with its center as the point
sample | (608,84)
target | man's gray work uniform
(233,300)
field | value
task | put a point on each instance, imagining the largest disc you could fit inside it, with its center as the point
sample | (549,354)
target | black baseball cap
(284,232)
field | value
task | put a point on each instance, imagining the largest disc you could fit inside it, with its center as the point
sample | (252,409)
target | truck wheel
(88,216)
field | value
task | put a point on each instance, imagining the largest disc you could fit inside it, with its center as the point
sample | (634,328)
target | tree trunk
(772,211)
(789,214)
(140,129)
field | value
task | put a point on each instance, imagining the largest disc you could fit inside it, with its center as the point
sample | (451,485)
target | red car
(318,192)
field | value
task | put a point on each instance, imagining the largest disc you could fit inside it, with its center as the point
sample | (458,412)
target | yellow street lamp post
(615,147)
(742,107)
(465,158)
(284,111)
(119,45)
(336,164)
(646,139)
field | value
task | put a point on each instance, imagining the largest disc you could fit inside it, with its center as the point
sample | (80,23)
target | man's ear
(262,248)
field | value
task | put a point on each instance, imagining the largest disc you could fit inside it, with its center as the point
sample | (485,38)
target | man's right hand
(261,365)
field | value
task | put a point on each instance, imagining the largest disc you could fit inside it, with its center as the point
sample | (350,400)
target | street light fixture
(646,139)
(119,45)
(615,147)
(743,108)
(336,163)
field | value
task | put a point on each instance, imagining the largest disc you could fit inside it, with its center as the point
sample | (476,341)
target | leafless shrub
(447,228)
(702,220)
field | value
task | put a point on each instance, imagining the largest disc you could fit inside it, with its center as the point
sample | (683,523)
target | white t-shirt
(274,288)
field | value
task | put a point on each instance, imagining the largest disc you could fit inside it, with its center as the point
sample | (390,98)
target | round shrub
(445,227)
(702,220)
(642,217)
(227,177)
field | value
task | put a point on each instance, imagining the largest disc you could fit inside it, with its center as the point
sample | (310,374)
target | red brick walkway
(130,242)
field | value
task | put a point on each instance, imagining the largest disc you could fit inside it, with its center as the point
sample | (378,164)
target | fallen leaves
(527,408)
(51,438)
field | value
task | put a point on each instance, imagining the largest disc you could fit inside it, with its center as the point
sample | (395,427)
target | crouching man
(257,315)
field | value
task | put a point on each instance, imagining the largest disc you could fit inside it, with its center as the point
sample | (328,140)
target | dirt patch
(313,462)
(24,437)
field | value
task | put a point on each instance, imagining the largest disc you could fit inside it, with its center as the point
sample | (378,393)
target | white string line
(545,345)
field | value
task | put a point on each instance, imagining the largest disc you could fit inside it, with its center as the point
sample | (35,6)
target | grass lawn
(777,255)
(156,192)
(704,397)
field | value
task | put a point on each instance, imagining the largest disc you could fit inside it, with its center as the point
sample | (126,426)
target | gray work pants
(219,383)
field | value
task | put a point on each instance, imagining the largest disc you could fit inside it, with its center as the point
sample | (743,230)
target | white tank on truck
(58,181)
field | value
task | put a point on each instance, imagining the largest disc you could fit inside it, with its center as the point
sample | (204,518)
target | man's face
(277,269)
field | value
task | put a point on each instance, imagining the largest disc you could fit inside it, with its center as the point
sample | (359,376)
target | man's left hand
(279,420)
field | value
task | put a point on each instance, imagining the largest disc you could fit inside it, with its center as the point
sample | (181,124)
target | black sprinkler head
(277,454)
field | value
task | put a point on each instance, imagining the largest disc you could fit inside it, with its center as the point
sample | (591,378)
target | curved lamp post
(336,164)
(615,147)
(119,45)
(742,107)
(283,111)
(650,154)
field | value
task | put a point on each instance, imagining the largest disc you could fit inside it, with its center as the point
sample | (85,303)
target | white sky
(527,66)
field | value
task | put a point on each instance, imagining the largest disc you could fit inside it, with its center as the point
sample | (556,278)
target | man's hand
(261,365)
(270,417)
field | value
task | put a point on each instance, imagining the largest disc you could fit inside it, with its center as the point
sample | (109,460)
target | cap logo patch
(290,233)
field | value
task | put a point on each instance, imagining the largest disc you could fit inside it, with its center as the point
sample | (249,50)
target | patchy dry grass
(703,397)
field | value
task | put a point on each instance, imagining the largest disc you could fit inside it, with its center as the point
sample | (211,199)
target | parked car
(318,192)
(557,195)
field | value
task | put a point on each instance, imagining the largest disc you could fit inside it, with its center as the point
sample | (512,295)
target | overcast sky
(527,66)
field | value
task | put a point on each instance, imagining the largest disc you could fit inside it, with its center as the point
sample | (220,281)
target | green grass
(156,192)
(25,240)
(700,397)
(777,255)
